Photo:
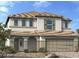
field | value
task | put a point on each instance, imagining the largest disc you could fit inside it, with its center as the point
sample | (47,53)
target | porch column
(12,42)
(38,43)
(76,44)
(7,43)
(25,42)
(42,42)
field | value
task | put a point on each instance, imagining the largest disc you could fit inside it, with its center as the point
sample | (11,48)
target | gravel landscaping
(43,55)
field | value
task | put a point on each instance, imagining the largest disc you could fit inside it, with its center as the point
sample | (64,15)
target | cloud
(5,6)
(3,17)
(39,4)
(3,9)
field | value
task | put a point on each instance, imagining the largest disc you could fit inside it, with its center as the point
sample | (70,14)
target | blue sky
(68,9)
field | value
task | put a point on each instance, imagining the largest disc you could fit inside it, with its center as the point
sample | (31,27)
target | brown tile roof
(43,34)
(34,14)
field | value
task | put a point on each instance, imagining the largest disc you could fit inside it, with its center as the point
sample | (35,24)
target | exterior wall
(12,42)
(40,24)
(40,42)
(76,40)
(22,29)
(19,22)
(69,26)
(25,42)
(35,23)
(10,23)
(7,43)
(19,27)
(58,25)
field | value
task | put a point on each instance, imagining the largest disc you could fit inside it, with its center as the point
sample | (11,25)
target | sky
(69,9)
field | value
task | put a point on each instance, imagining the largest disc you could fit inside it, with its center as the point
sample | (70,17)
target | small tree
(4,35)
(77,30)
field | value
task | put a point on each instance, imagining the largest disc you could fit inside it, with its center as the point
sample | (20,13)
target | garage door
(59,44)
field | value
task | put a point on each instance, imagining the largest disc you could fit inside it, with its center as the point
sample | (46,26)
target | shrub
(10,50)
(26,51)
(33,51)
(42,50)
(54,56)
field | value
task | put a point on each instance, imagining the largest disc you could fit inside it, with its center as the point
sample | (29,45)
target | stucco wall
(10,23)
(20,27)
(23,29)
(12,42)
(25,42)
(40,24)
(58,25)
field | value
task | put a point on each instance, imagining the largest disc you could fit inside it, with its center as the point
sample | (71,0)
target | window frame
(15,22)
(23,22)
(49,24)
(30,22)
(52,24)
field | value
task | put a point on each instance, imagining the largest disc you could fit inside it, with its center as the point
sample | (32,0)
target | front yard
(43,55)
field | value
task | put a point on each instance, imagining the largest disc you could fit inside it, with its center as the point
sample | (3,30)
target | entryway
(19,44)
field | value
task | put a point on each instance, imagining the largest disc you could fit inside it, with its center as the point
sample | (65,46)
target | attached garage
(59,44)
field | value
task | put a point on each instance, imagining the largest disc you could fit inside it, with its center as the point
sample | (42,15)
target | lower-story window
(21,42)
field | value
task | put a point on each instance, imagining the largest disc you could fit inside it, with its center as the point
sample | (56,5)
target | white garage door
(59,44)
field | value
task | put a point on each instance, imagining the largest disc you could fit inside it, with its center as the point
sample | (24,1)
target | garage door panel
(59,44)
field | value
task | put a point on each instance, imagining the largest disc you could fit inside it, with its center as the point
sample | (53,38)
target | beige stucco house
(35,30)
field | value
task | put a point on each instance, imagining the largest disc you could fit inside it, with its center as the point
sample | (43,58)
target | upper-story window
(31,23)
(23,22)
(15,22)
(65,24)
(49,24)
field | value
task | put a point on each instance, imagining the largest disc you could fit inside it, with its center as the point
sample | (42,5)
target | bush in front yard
(10,50)
(33,51)
(26,51)
(42,50)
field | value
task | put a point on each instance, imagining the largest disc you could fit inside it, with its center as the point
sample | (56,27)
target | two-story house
(35,30)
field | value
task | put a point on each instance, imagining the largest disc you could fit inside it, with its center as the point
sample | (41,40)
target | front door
(32,44)
(19,44)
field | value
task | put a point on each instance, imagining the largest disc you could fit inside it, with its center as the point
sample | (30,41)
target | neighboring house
(35,30)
